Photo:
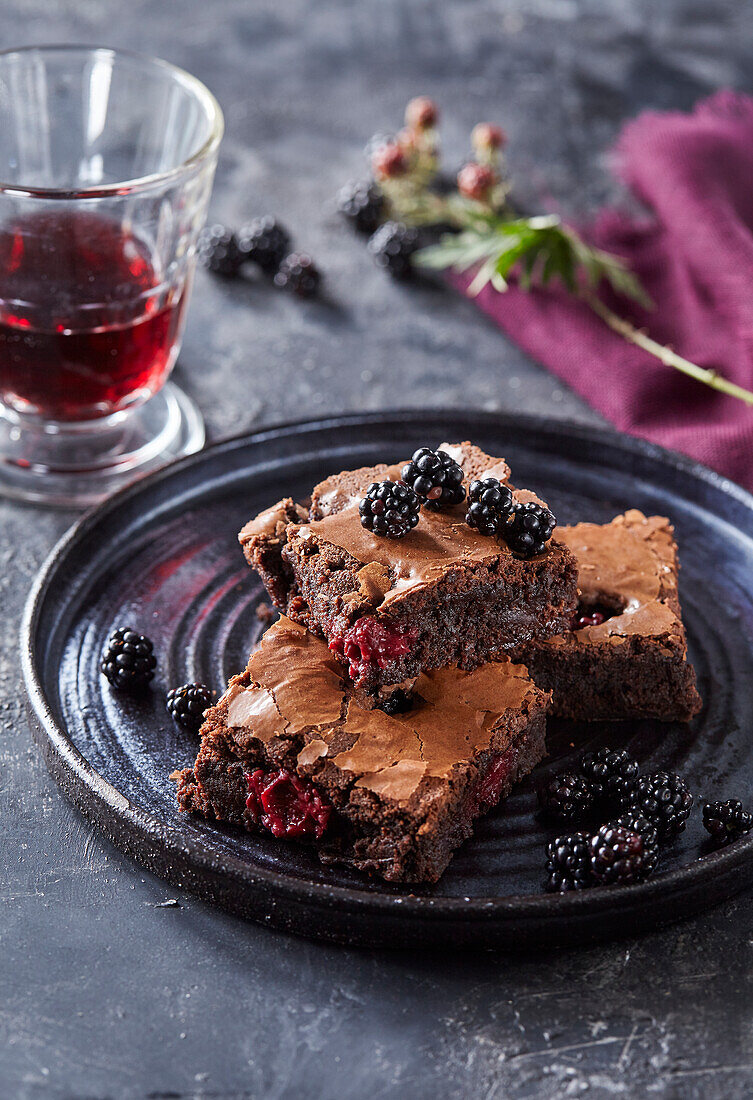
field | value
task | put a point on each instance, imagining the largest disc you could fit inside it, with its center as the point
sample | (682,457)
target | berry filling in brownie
(435,563)
(288,753)
(625,655)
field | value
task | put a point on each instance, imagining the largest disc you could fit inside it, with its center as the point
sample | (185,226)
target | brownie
(443,596)
(288,752)
(634,663)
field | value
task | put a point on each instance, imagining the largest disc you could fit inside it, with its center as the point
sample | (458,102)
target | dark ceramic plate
(163,557)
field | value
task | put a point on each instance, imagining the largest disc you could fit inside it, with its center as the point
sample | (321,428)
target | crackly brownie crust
(461,597)
(405,789)
(634,664)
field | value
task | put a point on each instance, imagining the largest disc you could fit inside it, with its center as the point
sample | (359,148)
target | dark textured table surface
(105,991)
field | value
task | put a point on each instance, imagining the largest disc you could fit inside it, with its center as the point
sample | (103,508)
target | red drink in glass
(87,326)
(106,167)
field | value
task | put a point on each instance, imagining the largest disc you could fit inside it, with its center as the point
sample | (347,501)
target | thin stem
(665,354)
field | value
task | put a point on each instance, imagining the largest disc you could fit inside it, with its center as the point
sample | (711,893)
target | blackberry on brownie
(490,505)
(389,509)
(529,529)
(435,477)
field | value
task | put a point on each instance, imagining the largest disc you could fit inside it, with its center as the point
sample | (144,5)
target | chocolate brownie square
(443,596)
(627,654)
(287,752)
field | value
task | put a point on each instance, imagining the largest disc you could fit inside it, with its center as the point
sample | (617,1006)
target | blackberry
(567,797)
(392,246)
(298,273)
(637,823)
(389,509)
(665,800)
(398,701)
(435,477)
(611,775)
(568,863)
(264,242)
(128,660)
(218,251)
(362,204)
(490,505)
(529,530)
(726,820)
(187,703)
(618,856)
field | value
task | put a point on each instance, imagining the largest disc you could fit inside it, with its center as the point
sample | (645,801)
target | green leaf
(541,248)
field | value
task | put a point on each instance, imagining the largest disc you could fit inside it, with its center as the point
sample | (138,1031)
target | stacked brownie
(442,596)
(288,751)
(404,690)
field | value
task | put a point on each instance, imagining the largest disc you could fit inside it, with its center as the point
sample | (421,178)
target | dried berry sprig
(539,250)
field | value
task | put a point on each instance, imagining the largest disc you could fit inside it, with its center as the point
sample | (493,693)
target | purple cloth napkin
(694,255)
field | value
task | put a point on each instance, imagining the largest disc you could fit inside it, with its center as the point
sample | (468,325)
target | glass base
(76,465)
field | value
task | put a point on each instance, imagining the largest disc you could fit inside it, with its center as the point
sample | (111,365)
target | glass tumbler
(106,167)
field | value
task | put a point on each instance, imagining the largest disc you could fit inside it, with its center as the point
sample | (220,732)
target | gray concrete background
(104,992)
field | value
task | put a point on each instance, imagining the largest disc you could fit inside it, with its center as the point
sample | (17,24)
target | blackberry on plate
(392,246)
(298,273)
(362,204)
(390,509)
(398,701)
(567,797)
(128,660)
(435,477)
(218,250)
(568,863)
(490,505)
(665,800)
(637,823)
(618,856)
(187,703)
(263,241)
(529,529)
(726,820)
(611,775)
